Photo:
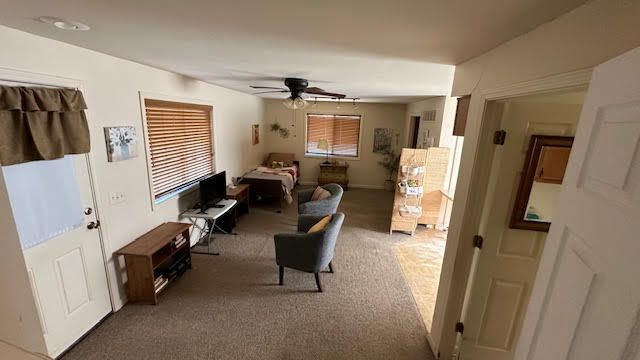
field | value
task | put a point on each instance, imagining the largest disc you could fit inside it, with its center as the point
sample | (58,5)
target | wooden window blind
(342,132)
(180,142)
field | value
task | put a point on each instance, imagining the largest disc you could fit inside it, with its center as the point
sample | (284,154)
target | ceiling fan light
(64,24)
(299,103)
(294,104)
(288,103)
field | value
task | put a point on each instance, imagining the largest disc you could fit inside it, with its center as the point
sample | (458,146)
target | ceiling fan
(297,87)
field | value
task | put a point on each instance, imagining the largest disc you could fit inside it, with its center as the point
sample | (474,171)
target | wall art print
(122,143)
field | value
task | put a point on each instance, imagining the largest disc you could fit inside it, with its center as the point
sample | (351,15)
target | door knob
(93,225)
(88,211)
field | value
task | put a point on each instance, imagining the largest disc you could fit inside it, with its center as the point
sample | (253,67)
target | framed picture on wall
(382,140)
(255,134)
(122,143)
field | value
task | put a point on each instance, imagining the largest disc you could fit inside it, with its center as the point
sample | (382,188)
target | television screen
(212,190)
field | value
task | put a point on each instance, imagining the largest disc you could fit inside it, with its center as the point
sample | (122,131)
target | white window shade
(45,199)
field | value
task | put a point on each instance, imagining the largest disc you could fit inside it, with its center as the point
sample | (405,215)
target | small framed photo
(122,143)
(382,140)
(255,134)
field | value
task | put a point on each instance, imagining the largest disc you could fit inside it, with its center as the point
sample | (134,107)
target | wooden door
(68,276)
(415,127)
(509,259)
(586,300)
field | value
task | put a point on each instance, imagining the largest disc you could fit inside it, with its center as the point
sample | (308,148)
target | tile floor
(420,258)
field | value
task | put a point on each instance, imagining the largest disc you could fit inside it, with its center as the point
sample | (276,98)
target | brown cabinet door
(462,110)
(552,164)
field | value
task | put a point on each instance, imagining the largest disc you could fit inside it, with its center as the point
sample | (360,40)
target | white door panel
(68,277)
(72,278)
(587,293)
(509,258)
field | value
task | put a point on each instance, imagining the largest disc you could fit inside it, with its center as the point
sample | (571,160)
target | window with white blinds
(180,142)
(342,133)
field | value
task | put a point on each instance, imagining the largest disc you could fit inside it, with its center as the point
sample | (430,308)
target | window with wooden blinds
(180,143)
(342,133)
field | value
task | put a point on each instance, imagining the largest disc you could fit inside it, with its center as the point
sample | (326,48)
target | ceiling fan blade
(271,91)
(267,87)
(318,91)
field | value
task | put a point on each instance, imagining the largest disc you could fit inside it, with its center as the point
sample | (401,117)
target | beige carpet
(230,306)
(421,261)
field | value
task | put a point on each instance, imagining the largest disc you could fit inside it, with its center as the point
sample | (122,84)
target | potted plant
(282,131)
(390,163)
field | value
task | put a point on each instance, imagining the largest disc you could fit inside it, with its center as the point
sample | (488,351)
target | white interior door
(586,300)
(68,276)
(509,258)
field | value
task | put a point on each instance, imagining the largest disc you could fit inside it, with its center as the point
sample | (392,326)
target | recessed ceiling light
(64,24)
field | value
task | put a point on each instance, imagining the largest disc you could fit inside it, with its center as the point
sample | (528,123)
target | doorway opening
(421,256)
(415,131)
(532,143)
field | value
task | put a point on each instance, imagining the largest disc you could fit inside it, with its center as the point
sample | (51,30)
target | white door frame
(36,79)
(470,198)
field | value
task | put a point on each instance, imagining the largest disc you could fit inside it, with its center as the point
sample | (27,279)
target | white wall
(583,38)
(111,87)
(442,131)
(433,128)
(364,172)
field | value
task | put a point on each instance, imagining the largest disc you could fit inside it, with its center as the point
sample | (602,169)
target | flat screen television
(212,190)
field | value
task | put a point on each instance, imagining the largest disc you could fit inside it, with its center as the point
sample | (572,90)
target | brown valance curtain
(41,124)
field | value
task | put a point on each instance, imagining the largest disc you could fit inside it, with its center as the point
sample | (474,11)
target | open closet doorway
(533,144)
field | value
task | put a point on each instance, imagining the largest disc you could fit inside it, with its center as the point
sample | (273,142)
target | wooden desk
(240,194)
(154,255)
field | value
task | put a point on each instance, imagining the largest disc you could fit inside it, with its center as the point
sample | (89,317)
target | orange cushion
(320,225)
(319,194)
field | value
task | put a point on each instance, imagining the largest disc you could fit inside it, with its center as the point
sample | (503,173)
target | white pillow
(320,194)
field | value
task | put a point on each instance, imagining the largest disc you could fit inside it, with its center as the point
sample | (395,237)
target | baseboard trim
(366,186)
(356,186)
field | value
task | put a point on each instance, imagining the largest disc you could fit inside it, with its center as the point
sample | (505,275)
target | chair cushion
(319,194)
(320,225)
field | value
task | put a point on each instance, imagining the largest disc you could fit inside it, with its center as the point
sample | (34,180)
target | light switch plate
(116,197)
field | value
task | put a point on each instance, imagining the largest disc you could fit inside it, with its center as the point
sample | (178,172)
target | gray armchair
(320,207)
(308,252)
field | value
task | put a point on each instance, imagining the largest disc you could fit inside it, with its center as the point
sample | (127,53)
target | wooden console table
(153,260)
(334,173)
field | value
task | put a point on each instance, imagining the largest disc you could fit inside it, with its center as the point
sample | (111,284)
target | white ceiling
(381,50)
